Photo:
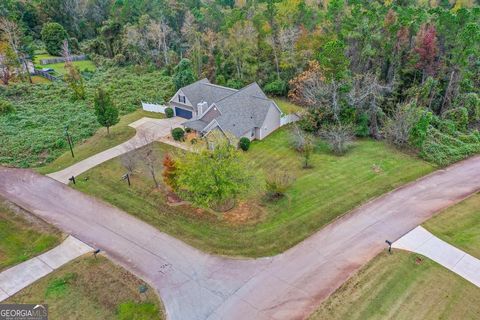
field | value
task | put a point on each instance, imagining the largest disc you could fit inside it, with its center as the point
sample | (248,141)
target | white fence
(288,118)
(153,107)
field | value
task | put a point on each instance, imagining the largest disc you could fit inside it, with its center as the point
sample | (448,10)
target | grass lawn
(286,106)
(22,238)
(459,225)
(59,68)
(89,288)
(99,141)
(334,186)
(399,286)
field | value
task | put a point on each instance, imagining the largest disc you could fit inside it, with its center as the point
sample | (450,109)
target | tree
(73,77)
(53,35)
(106,112)
(8,62)
(183,74)
(427,49)
(303,143)
(215,178)
(15,38)
(339,138)
(158,32)
(150,160)
(169,172)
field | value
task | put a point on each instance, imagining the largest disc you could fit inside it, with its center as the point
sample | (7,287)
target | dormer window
(181,99)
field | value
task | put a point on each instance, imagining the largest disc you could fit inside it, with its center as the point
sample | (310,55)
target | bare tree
(13,35)
(367,94)
(397,129)
(130,161)
(158,32)
(148,156)
(339,138)
(303,142)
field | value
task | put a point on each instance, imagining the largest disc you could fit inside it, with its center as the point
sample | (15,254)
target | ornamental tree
(106,112)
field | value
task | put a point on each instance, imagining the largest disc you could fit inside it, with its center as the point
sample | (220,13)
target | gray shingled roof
(241,110)
(244,110)
(203,90)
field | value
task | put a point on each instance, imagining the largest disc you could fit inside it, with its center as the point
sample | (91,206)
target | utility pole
(70,142)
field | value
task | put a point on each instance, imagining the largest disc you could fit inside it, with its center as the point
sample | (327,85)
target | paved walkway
(195,285)
(421,241)
(148,130)
(20,276)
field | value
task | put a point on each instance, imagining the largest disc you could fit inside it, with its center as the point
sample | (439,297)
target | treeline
(358,63)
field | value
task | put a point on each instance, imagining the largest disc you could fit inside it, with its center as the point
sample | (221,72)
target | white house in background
(247,112)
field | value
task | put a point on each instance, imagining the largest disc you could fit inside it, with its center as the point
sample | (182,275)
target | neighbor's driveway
(148,130)
(195,285)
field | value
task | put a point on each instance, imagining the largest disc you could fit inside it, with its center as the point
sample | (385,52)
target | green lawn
(89,288)
(99,142)
(399,286)
(286,106)
(459,225)
(333,187)
(59,68)
(22,239)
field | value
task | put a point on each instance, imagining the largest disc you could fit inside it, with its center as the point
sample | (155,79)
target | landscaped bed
(402,286)
(331,188)
(89,288)
(23,236)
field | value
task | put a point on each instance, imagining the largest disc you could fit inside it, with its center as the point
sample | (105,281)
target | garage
(179,112)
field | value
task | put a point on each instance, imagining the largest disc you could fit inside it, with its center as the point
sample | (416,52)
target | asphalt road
(195,285)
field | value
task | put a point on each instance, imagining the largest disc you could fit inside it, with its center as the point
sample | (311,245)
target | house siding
(271,123)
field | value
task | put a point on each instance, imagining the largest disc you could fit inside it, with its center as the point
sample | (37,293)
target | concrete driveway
(195,285)
(148,130)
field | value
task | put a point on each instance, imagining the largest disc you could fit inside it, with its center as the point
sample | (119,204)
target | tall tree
(105,110)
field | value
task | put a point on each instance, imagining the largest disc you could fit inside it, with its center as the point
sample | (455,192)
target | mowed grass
(402,286)
(21,239)
(331,188)
(99,142)
(287,106)
(459,225)
(89,288)
(59,68)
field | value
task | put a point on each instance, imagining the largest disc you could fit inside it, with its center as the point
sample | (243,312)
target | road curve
(195,285)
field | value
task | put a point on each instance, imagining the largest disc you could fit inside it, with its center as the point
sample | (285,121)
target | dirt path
(195,285)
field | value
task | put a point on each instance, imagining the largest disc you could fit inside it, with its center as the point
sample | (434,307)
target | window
(181,98)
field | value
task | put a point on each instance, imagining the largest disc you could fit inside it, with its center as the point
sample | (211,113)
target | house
(247,112)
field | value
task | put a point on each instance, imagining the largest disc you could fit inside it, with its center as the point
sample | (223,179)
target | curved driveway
(195,285)
(148,130)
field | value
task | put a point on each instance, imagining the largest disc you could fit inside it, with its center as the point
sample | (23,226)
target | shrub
(178,134)
(338,137)
(277,88)
(53,35)
(188,130)
(362,126)
(6,107)
(459,116)
(235,84)
(169,112)
(397,129)
(277,184)
(244,143)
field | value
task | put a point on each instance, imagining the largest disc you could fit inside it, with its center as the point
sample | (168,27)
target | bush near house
(244,143)
(169,112)
(178,134)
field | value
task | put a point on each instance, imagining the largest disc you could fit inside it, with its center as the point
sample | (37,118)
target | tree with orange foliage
(169,172)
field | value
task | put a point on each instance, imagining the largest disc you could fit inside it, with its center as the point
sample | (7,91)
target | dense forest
(407,70)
